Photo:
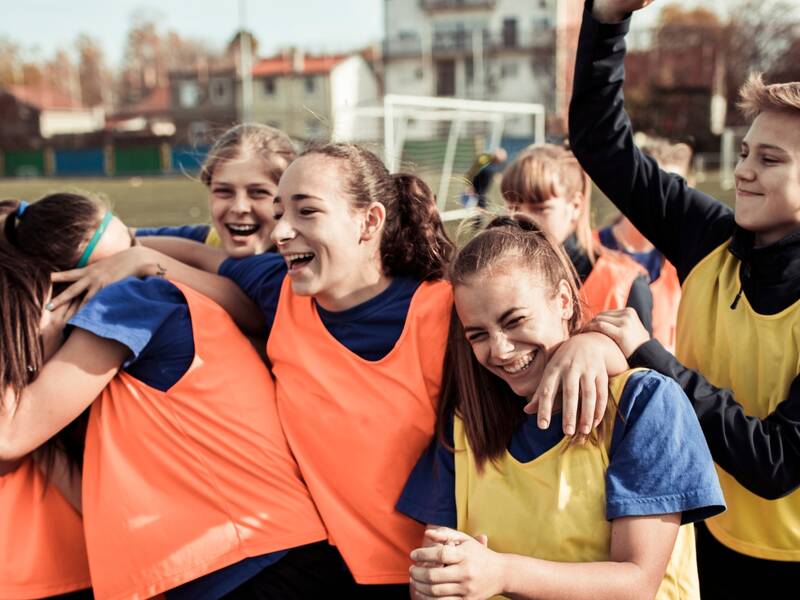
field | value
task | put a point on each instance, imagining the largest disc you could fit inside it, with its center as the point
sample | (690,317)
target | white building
(497,50)
(309,96)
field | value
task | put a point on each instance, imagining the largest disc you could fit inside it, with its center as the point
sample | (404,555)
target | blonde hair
(546,171)
(755,96)
(668,154)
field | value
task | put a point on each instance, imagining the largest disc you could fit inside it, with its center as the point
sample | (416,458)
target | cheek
(218,207)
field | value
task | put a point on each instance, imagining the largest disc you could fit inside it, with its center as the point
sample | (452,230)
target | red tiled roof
(156,102)
(44,98)
(282,65)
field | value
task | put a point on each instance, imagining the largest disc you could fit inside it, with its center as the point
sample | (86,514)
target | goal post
(440,136)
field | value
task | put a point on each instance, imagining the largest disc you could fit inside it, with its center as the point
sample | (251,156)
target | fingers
(445,535)
(483,539)
(570,387)
(445,554)
(601,386)
(545,395)
(437,590)
(66,276)
(588,393)
(74,291)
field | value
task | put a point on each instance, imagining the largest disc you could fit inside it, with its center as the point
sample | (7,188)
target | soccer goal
(439,138)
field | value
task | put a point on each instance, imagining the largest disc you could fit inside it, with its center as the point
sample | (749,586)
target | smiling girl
(593,520)
(241,172)
(189,486)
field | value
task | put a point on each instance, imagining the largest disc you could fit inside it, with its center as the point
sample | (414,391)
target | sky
(315,25)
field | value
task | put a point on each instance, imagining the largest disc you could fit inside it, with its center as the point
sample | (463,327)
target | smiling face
(768,177)
(330,247)
(240,199)
(557,216)
(513,324)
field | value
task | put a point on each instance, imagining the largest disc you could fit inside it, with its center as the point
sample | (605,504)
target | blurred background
(124,98)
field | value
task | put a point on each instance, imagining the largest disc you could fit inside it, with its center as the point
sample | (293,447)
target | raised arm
(683,223)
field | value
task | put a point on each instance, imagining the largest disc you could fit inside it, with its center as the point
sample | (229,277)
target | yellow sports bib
(757,356)
(213,239)
(554,507)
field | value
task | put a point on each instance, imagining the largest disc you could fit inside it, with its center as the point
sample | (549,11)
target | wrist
(149,262)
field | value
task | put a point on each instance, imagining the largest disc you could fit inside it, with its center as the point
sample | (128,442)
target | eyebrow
(765,146)
(502,318)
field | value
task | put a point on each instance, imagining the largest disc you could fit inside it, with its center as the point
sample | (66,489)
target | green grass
(178,200)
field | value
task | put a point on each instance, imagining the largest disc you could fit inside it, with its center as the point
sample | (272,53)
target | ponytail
(414,242)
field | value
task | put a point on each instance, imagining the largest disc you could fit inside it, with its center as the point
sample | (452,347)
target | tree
(93,76)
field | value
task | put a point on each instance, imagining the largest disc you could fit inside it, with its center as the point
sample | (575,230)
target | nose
(241,203)
(500,346)
(283,231)
(744,170)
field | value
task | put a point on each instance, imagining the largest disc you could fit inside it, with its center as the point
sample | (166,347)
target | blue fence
(79,162)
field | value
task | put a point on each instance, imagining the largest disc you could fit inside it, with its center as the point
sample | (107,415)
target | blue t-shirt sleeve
(429,495)
(260,277)
(197,233)
(151,319)
(659,460)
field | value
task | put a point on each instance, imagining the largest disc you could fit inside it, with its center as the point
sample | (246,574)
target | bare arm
(640,551)
(199,256)
(141,261)
(66,385)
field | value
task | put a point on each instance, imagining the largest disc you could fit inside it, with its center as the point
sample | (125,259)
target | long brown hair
(55,229)
(414,242)
(545,171)
(24,286)
(485,403)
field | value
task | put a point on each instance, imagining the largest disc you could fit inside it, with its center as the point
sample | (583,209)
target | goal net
(438,139)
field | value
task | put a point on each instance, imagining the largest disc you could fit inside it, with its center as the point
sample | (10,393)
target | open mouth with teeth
(242,229)
(520,364)
(298,260)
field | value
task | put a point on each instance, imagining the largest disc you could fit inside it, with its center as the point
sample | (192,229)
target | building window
(220,92)
(198,133)
(269,86)
(510,33)
(311,85)
(418,74)
(188,94)
(469,69)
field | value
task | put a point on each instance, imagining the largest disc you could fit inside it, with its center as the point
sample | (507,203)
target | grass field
(178,200)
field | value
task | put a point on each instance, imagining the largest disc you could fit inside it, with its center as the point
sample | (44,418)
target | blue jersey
(196,233)
(659,462)
(370,329)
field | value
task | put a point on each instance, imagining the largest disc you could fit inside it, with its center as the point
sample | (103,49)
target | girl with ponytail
(357,313)
(527,512)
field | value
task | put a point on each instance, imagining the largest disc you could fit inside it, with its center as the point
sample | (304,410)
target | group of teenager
(319,395)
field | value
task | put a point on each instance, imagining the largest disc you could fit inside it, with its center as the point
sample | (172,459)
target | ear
(566,306)
(374,218)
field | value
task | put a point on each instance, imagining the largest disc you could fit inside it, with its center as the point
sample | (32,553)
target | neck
(367,285)
(768,238)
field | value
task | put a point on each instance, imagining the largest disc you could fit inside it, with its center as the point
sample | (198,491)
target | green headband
(95,239)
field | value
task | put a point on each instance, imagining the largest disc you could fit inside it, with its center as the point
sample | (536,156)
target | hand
(52,327)
(579,369)
(465,567)
(137,262)
(623,326)
(614,11)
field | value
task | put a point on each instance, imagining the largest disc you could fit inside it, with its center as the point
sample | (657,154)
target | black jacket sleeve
(763,455)
(683,223)
(640,299)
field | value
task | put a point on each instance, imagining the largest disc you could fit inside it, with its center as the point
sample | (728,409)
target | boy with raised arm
(738,336)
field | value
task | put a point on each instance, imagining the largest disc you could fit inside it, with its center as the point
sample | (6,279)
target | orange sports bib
(357,427)
(182,483)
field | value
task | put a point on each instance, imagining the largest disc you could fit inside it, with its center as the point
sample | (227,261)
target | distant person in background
(624,237)
(241,173)
(480,177)
(547,183)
